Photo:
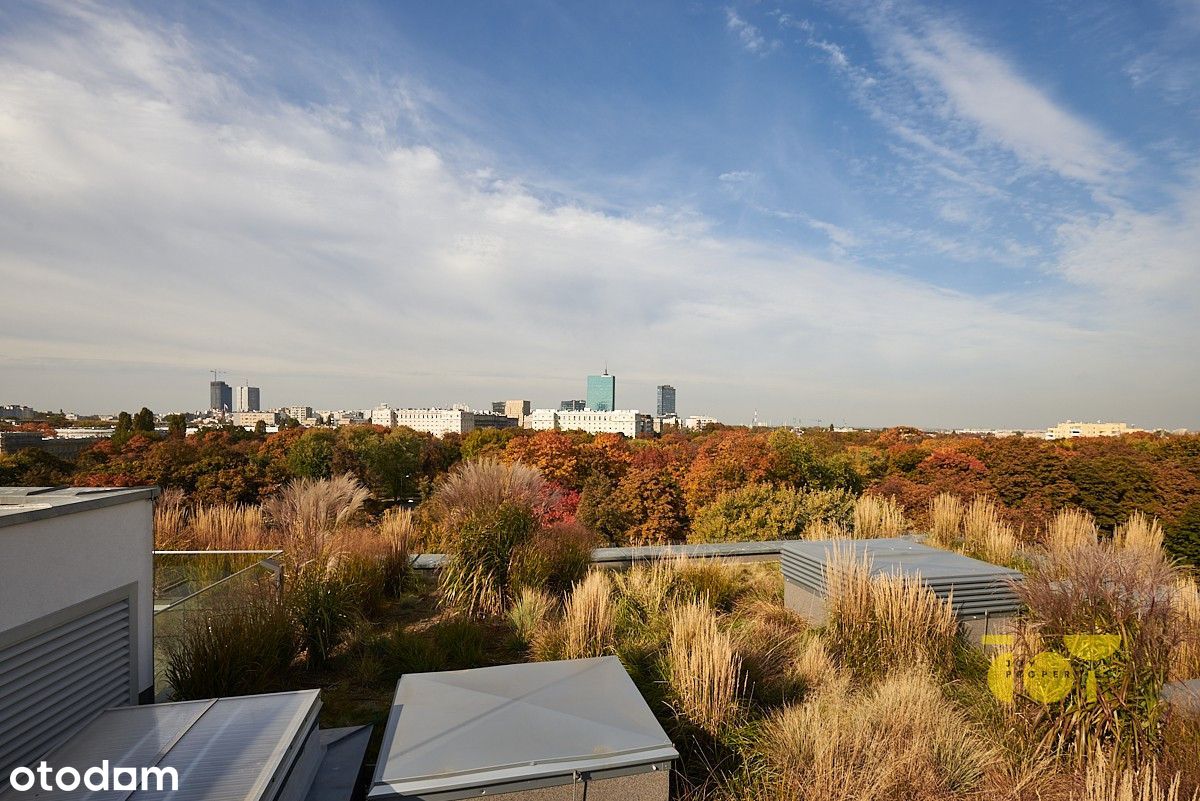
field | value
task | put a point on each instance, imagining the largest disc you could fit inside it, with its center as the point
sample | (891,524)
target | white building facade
(383,415)
(438,422)
(629,422)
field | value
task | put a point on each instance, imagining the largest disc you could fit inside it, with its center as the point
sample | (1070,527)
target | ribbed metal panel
(53,682)
(972,587)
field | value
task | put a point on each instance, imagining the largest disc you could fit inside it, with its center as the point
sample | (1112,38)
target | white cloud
(748,35)
(981,88)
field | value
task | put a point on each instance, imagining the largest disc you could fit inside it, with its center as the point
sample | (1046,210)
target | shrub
(308,510)
(1096,588)
(704,671)
(900,739)
(453,643)
(834,507)
(876,516)
(885,622)
(245,647)
(945,520)
(751,513)
(554,559)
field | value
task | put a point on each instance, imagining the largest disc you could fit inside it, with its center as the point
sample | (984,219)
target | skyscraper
(602,392)
(220,396)
(248,399)
(665,400)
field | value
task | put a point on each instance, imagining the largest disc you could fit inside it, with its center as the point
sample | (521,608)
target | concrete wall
(47,565)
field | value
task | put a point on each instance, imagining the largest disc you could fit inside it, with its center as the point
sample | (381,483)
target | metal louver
(53,682)
(973,587)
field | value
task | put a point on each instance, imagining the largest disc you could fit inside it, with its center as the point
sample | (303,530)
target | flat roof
(25,504)
(223,749)
(456,734)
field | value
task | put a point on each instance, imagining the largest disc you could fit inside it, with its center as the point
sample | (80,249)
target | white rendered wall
(50,564)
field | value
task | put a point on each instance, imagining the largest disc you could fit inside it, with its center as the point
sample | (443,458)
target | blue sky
(878,213)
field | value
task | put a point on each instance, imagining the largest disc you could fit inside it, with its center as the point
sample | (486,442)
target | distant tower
(665,401)
(602,392)
(248,399)
(220,396)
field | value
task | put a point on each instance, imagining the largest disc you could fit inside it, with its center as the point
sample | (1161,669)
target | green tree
(260,427)
(311,456)
(1183,538)
(600,510)
(143,420)
(751,513)
(176,425)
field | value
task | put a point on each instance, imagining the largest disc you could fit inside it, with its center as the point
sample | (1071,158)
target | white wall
(47,565)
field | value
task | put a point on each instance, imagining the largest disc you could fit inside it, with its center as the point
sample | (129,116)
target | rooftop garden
(885,700)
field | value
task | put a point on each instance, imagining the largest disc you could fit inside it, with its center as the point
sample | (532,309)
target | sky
(869,213)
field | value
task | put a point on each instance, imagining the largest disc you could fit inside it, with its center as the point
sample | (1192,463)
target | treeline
(658,490)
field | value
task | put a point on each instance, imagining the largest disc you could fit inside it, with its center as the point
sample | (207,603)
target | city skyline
(944,216)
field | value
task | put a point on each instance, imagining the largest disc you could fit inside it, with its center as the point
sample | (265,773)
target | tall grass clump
(1185,663)
(530,612)
(1099,589)
(986,535)
(899,739)
(826,530)
(704,671)
(1140,531)
(170,521)
(324,599)
(307,511)
(587,621)
(484,512)
(1106,780)
(227,527)
(876,516)
(554,558)
(945,520)
(885,622)
(247,646)
(1069,529)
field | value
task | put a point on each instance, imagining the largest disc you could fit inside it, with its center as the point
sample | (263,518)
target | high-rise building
(602,392)
(498,407)
(572,405)
(665,401)
(220,396)
(248,399)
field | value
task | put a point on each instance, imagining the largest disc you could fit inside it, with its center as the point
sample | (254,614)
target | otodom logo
(1048,676)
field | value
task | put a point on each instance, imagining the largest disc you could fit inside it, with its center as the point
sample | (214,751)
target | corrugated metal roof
(480,728)
(227,749)
(974,587)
